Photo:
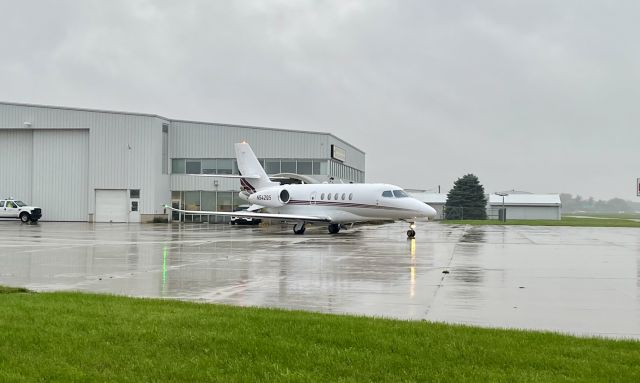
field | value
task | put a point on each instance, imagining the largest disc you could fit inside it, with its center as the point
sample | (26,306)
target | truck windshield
(20,203)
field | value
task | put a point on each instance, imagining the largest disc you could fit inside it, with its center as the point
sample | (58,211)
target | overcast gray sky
(533,95)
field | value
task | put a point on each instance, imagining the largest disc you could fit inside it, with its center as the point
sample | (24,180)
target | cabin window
(335,196)
(387,193)
(400,194)
(350,196)
(329,197)
(344,196)
(322,196)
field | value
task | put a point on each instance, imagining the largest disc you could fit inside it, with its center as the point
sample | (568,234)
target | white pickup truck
(11,208)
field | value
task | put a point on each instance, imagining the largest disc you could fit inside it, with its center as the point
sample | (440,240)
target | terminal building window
(288,166)
(193,166)
(209,166)
(336,169)
(270,165)
(225,166)
(177,166)
(305,167)
(204,200)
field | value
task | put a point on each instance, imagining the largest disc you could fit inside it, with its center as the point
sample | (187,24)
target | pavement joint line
(442,277)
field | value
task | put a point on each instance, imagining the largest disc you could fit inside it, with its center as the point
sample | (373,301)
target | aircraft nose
(427,211)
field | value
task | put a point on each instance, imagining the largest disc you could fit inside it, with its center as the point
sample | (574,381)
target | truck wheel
(24,217)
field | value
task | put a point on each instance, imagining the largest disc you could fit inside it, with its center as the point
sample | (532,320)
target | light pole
(504,212)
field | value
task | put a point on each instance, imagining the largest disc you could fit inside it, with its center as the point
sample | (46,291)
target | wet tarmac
(583,281)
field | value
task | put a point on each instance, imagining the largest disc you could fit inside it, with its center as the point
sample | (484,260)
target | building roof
(526,200)
(176,120)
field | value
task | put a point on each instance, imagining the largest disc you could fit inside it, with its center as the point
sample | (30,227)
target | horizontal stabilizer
(284,217)
(252,177)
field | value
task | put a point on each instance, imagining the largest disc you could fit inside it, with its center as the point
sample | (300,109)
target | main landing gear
(299,228)
(411,233)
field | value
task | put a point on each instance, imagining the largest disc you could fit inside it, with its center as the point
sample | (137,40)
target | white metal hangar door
(61,173)
(111,206)
(16,161)
(47,168)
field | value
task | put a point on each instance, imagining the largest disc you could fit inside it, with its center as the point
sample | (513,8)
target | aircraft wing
(284,217)
(251,177)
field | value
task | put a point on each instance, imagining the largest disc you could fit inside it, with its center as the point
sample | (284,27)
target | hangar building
(106,166)
(521,205)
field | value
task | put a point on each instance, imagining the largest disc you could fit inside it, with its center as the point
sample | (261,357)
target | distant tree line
(571,204)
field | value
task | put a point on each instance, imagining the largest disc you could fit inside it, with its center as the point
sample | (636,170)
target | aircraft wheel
(298,230)
(411,233)
(334,228)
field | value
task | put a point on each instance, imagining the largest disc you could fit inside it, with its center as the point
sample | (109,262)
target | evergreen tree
(466,200)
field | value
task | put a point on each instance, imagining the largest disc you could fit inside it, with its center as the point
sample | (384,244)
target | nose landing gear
(411,233)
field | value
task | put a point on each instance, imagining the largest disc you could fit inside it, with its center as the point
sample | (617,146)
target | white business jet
(334,204)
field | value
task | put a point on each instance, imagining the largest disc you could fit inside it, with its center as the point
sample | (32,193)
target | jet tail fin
(248,164)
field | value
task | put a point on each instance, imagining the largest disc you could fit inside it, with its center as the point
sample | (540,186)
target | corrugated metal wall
(533,212)
(60,174)
(205,140)
(126,153)
(200,140)
(16,162)
(125,150)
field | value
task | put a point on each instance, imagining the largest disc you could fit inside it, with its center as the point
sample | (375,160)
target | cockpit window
(400,194)
(20,203)
(387,193)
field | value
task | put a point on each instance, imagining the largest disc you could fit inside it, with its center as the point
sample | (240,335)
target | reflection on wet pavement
(575,280)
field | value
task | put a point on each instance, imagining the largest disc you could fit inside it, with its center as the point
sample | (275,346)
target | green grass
(12,290)
(607,215)
(565,221)
(74,337)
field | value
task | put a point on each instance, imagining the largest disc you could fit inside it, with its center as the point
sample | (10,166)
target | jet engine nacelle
(272,197)
(244,195)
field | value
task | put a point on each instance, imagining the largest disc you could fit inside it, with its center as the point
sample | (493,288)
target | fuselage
(346,203)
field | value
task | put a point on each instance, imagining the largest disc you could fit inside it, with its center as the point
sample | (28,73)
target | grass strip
(77,337)
(565,221)
(13,290)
